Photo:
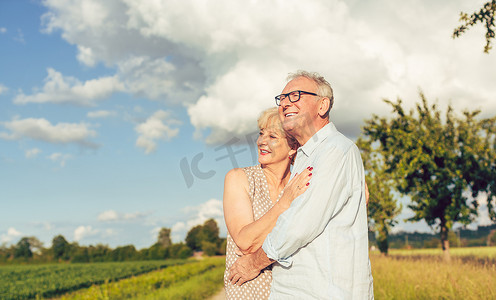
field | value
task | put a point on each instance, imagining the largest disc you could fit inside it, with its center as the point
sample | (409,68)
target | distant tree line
(482,236)
(204,238)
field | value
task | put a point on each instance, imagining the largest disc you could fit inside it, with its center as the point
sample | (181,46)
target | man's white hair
(324,88)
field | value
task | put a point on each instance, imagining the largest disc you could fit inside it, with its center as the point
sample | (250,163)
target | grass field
(404,274)
(422,274)
(481,252)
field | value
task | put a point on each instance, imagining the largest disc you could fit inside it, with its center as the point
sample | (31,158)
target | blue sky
(104,105)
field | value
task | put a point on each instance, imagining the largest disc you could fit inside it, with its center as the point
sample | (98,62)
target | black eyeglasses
(292,96)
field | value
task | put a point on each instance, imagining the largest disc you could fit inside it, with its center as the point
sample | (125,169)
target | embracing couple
(301,235)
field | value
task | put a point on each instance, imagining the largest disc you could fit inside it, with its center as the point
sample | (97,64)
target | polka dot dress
(258,288)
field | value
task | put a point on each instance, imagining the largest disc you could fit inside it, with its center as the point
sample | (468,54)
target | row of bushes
(204,238)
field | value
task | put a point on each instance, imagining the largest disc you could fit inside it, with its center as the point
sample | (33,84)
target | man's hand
(243,270)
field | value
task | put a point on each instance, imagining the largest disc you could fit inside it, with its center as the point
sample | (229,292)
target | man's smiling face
(299,117)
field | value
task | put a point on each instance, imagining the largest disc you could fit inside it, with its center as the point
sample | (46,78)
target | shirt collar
(317,139)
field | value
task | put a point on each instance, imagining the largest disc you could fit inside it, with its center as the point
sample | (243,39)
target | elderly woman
(254,197)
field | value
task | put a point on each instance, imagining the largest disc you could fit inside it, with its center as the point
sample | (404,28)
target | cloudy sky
(120,117)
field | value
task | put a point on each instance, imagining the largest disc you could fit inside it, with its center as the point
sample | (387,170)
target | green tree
(382,207)
(211,231)
(98,253)
(195,237)
(491,238)
(179,251)
(124,253)
(81,255)
(208,232)
(157,252)
(6,253)
(222,247)
(436,160)
(36,245)
(481,167)
(164,237)
(484,15)
(209,248)
(23,249)
(60,247)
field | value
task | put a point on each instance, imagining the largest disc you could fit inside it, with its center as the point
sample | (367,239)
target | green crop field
(29,281)
(198,279)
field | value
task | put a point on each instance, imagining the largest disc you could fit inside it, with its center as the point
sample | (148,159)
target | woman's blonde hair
(269,118)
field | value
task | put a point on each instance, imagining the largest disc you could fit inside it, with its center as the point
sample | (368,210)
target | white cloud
(140,76)
(231,57)
(156,127)
(134,216)
(101,114)
(31,153)
(109,215)
(3,89)
(196,215)
(152,67)
(59,158)
(112,215)
(11,234)
(3,30)
(85,55)
(20,37)
(483,218)
(43,130)
(154,233)
(178,232)
(60,89)
(84,231)
(179,226)
(48,226)
(109,232)
(230,110)
(160,79)
(210,209)
(44,227)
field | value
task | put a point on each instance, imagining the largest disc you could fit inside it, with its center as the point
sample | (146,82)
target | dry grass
(418,277)
(479,252)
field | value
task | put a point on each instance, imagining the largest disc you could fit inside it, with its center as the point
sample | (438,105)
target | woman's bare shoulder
(236,176)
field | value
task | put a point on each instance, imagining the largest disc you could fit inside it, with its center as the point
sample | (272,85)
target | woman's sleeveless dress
(258,288)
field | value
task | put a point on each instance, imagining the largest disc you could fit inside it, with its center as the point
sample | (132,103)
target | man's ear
(324,106)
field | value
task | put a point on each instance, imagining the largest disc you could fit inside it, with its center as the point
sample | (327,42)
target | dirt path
(219,296)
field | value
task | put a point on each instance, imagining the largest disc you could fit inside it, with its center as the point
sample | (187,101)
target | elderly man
(319,246)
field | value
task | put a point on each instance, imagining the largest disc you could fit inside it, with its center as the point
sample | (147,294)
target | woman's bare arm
(247,233)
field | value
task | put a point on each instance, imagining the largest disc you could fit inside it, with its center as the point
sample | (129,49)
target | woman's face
(273,147)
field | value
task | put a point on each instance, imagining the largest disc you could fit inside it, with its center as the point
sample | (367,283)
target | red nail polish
(308,183)
(310,174)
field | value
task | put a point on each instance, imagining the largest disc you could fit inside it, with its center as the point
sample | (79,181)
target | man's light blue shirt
(321,242)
